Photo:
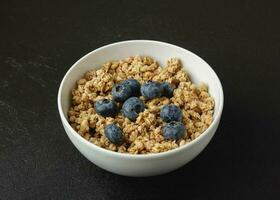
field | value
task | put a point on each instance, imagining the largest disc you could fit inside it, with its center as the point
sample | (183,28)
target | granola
(145,134)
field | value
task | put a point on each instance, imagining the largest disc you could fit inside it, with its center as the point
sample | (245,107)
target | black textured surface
(40,41)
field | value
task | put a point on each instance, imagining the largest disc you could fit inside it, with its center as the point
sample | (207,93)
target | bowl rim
(150,155)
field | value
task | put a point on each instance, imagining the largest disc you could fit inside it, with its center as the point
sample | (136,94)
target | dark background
(40,41)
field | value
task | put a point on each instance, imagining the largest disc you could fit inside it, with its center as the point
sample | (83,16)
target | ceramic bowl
(149,164)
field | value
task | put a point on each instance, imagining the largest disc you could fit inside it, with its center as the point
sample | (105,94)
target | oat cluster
(145,134)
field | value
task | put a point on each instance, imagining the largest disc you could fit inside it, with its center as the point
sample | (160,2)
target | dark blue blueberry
(121,92)
(166,89)
(174,130)
(134,86)
(132,107)
(151,90)
(106,108)
(171,113)
(114,134)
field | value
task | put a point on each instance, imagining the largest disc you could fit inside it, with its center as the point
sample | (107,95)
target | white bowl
(150,164)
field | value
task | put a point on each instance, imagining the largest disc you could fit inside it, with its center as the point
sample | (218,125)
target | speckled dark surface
(40,41)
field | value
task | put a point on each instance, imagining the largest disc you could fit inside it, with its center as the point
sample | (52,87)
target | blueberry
(171,113)
(166,89)
(174,130)
(121,92)
(106,108)
(151,90)
(132,107)
(114,134)
(134,86)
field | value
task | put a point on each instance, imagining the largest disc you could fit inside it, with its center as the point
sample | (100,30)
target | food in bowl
(135,106)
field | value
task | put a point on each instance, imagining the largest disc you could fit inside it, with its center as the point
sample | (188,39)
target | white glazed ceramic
(151,164)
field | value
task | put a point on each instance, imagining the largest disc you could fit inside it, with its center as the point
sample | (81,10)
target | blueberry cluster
(174,129)
(152,89)
(127,93)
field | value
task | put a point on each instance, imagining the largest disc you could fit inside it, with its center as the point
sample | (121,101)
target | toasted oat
(144,135)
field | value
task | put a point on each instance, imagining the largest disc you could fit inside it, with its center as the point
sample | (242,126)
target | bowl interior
(197,69)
